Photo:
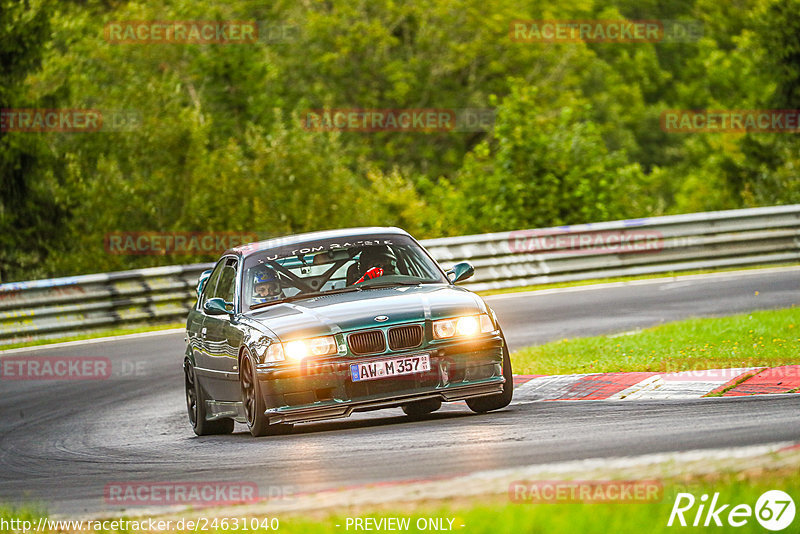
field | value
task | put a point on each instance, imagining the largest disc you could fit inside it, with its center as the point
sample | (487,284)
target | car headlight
(295,350)
(311,347)
(275,353)
(469,325)
(261,347)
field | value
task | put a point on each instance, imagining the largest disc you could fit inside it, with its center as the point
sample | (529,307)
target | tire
(196,406)
(495,402)
(253,401)
(421,408)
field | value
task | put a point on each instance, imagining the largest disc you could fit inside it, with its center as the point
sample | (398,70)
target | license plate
(375,369)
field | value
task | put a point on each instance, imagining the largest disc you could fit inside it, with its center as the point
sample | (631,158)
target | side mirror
(201,283)
(217,306)
(460,271)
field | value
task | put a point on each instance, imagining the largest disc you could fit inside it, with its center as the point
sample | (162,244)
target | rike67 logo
(774,510)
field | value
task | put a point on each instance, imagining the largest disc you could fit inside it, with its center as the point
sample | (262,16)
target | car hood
(343,312)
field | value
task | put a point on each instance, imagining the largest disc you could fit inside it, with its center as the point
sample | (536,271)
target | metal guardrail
(82,304)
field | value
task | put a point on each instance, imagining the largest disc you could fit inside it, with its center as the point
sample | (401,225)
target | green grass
(593,281)
(497,514)
(764,338)
(94,335)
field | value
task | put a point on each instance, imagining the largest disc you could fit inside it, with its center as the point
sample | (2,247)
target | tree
(546,167)
(30,216)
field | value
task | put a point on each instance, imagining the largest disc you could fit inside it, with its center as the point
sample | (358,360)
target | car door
(223,338)
(195,325)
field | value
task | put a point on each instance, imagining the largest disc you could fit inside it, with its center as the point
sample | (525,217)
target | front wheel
(196,405)
(501,400)
(253,401)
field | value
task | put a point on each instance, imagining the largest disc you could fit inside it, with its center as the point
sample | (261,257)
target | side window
(226,287)
(211,284)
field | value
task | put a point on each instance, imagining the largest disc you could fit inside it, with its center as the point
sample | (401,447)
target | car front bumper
(325,389)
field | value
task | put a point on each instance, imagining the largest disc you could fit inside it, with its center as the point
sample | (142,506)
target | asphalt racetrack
(62,442)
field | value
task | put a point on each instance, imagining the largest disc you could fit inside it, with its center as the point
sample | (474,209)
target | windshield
(335,265)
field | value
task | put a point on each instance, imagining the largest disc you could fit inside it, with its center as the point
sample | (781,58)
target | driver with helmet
(266,286)
(376,261)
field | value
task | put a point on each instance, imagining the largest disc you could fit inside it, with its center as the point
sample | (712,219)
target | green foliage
(29,215)
(544,167)
(221,146)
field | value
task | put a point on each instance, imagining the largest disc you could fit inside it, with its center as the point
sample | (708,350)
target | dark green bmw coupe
(319,325)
